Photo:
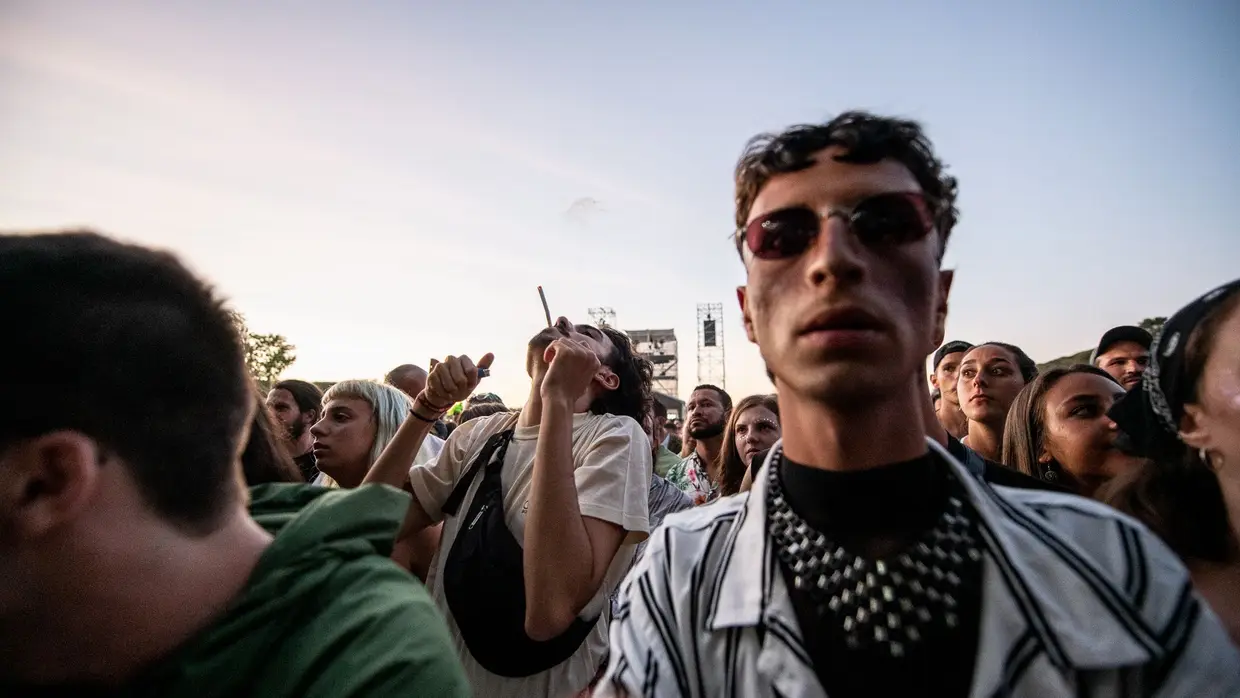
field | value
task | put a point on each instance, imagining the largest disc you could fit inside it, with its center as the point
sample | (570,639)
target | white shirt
(613,467)
(1078,600)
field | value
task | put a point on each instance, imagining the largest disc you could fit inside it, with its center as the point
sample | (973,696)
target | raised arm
(566,554)
(449,382)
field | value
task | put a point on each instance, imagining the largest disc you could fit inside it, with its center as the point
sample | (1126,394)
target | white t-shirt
(612,463)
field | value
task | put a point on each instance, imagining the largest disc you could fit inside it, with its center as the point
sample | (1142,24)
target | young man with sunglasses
(866,560)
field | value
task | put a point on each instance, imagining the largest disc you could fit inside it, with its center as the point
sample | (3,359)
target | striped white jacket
(1079,600)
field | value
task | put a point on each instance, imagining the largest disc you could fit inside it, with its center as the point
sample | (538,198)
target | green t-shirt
(325,614)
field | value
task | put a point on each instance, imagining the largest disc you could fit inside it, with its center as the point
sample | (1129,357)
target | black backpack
(484,579)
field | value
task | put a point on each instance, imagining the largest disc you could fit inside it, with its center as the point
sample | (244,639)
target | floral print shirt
(690,476)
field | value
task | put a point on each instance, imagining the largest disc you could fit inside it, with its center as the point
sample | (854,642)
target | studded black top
(903,622)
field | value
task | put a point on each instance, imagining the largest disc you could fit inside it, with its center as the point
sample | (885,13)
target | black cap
(949,348)
(1123,333)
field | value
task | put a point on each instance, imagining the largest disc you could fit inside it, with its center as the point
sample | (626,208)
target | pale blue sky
(382,182)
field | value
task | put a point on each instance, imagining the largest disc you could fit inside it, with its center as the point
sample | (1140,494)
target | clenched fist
(452,380)
(571,366)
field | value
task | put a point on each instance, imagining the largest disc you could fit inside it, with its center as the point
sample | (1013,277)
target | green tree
(1153,325)
(266,355)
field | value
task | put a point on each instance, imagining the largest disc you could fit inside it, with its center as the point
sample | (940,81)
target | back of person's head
(481,409)
(390,406)
(1025,429)
(125,346)
(264,458)
(307,395)
(482,399)
(660,410)
(632,396)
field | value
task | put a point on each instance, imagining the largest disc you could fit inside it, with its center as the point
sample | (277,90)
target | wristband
(419,417)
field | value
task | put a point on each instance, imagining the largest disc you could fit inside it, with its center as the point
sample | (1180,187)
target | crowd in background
(1001,531)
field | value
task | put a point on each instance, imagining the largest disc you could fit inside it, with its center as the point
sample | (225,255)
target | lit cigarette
(546,311)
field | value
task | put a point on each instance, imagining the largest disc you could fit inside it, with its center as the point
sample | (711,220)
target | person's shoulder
(378,620)
(999,474)
(707,516)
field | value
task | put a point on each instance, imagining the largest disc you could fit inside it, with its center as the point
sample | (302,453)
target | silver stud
(880,567)
(888,594)
(845,596)
(893,621)
(906,560)
(875,605)
(834,603)
(798,582)
(923,615)
(949,601)
(862,615)
(923,548)
(914,635)
(897,650)
(860,588)
(822,582)
(906,605)
(897,578)
(916,586)
(880,633)
(975,554)
(950,619)
(932,594)
(849,623)
(870,579)
(953,579)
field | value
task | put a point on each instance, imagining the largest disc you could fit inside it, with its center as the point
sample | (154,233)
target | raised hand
(451,381)
(571,366)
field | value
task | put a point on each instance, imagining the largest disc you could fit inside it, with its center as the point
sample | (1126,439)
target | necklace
(887,603)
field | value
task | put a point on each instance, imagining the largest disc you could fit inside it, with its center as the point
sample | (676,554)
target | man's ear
(46,482)
(742,299)
(607,378)
(946,276)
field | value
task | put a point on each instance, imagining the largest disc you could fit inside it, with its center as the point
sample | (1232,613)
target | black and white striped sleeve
(1194,656)
(643,654)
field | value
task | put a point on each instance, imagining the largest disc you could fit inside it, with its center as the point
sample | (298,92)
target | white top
(613,467)
(1078,600)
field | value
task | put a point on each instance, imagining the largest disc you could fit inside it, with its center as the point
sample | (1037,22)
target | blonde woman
(359,419)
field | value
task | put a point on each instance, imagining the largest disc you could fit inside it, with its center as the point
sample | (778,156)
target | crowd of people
(168,529)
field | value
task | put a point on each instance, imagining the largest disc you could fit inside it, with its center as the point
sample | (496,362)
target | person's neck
(113,619)
(855,437)
(954,420)
(531,413)
(707,451)
(986,439)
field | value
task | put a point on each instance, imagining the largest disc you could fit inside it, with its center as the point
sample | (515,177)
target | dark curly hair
(865,139)
(634,395)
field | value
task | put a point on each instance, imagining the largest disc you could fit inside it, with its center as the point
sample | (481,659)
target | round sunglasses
(893,218)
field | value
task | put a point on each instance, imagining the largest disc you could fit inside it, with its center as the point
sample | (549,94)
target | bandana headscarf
(1150,413)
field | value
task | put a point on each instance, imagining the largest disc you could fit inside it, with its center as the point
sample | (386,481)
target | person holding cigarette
(541,509)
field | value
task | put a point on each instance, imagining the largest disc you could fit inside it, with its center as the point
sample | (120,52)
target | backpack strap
(497,442)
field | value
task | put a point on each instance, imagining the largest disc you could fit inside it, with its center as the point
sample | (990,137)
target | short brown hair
(865,139)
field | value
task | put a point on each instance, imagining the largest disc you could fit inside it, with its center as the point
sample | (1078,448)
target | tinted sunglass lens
(889,219)
(782,234)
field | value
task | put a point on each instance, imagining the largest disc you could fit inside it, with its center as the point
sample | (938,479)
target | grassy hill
(1081,357)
